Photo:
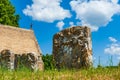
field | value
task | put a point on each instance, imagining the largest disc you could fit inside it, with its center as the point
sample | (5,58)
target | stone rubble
(72,48)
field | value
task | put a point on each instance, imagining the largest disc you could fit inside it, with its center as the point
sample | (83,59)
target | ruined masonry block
(72,48)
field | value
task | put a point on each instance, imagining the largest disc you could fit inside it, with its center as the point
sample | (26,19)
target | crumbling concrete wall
(72,48)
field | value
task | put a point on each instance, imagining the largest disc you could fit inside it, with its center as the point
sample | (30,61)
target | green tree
(48,61)
(119,64)
(7,13)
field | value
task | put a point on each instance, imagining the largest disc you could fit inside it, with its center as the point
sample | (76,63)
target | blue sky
(50,16)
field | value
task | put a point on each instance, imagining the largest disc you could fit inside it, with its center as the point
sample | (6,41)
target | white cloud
(118,58)
(95,13)
(60,25)
(79,23)
(113,48)
(46,10)
(114,1)
(71,24)
(112,39)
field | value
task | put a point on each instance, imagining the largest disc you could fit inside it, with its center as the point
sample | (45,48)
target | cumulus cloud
(112,39)
(46,10)
(95,13)
(71,24)
(60,25)
(118,58)
(113,48)
(114,1)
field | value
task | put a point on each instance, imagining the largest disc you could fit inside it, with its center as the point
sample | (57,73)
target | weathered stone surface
(7,59)
(72,48)
(20,43)
(29,60)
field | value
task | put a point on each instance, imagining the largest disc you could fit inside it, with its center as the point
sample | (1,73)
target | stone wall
(72,48)
(9,60)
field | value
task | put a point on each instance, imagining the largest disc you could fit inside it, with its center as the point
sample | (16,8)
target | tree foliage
(7,13)
(48,61)
(119,64)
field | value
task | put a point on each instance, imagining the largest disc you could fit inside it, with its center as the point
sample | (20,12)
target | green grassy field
(112,73)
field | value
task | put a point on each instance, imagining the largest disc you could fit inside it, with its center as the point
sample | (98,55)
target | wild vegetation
(48,62)
(102,73)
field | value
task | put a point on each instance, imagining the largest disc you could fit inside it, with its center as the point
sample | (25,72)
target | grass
(103,73)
